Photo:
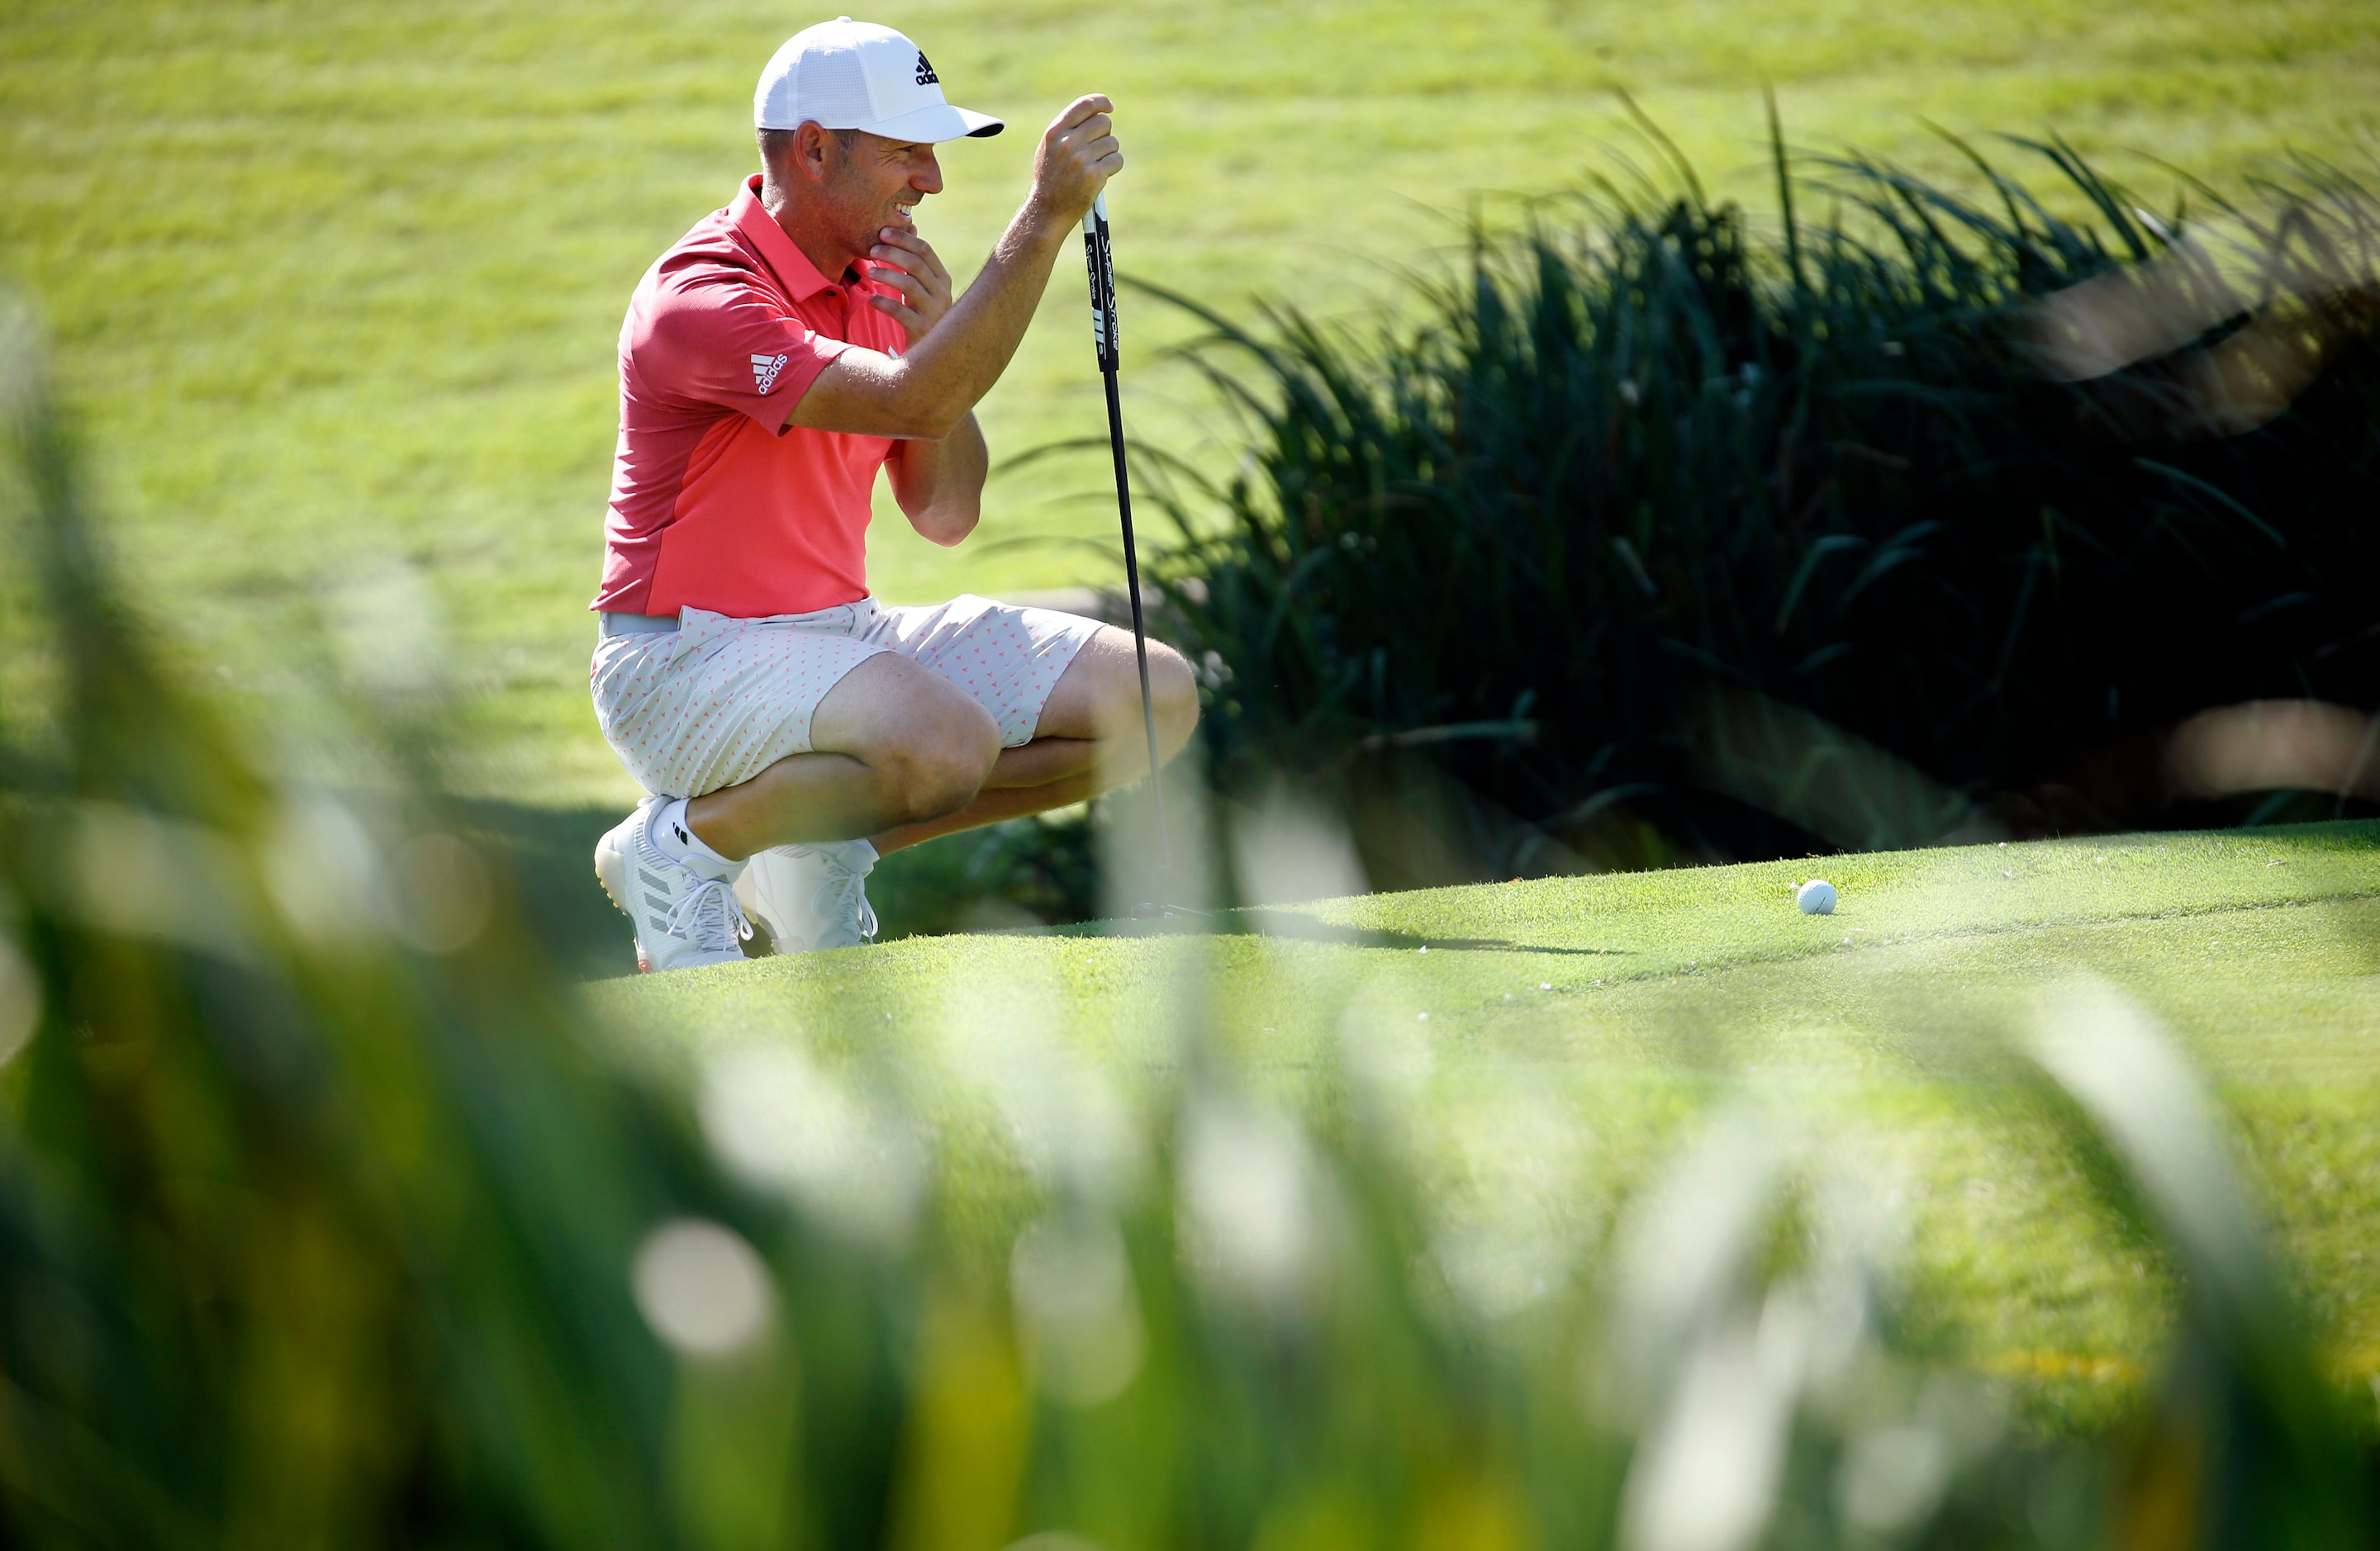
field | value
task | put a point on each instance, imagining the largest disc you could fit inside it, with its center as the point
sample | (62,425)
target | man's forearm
(951,369)
(928,391)
(940,484)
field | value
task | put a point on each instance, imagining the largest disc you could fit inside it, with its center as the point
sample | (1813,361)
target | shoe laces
(709,915)
(844,894)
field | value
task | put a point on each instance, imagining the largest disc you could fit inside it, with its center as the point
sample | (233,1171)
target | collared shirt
(716,502)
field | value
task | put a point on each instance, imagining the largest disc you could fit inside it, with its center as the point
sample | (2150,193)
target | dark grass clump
(1640,474)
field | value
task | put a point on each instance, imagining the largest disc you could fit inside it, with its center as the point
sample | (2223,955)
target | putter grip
(1100,261)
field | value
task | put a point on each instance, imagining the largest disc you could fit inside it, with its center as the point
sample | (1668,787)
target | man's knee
(936,761)
(1099,695)
(927,744)
(1172,696)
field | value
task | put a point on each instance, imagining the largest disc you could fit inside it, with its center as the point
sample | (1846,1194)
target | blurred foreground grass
(339,283)
(328,1220)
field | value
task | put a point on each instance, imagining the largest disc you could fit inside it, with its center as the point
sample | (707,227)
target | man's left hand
(905,262)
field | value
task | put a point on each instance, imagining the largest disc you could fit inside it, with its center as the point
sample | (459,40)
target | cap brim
(941,122)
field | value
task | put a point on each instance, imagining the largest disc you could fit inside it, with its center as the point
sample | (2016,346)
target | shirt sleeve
(719,339)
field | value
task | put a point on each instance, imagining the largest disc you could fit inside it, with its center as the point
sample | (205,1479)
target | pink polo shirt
(716,503)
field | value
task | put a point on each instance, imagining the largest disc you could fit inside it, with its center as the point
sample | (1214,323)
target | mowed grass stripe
(1658,923)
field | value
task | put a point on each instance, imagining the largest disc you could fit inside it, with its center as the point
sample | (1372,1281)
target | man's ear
(811,152)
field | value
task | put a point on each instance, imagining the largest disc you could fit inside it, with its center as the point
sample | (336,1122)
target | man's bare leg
(1088,740)
(891,745)
(904,754)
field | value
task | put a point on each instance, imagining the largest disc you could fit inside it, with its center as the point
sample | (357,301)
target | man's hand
(905,262)
(1077,156)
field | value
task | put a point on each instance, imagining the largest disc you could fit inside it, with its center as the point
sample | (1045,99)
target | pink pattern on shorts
(719,701)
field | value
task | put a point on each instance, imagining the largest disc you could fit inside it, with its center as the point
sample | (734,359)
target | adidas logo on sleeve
(764,373)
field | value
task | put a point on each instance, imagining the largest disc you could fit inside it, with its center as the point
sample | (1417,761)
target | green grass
(337,284)
(1544,1044)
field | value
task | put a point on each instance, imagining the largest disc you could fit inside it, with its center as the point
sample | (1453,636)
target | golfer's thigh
(1098,695)
(888,711)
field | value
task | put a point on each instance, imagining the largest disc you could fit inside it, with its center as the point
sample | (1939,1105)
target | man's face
(873,182)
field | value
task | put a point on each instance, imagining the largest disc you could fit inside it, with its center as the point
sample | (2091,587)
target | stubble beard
(882,210)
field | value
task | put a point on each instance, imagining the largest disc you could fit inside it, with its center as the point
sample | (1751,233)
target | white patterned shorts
(718,700)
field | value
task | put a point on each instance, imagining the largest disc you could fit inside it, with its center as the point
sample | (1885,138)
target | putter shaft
(1100,261)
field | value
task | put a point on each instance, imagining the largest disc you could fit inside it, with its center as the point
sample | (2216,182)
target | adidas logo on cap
(764,372)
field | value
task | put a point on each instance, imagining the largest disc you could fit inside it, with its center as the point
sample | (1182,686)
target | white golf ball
(1815,897)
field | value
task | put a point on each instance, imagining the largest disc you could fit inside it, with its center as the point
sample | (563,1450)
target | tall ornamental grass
(1645,488)
(330,1218)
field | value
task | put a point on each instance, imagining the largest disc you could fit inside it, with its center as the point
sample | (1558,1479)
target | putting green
(1537,1048)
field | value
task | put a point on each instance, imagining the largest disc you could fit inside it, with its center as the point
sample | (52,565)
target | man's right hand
(1077,156)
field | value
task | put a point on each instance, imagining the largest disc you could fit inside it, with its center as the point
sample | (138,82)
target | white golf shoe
(812,897)
(683,919)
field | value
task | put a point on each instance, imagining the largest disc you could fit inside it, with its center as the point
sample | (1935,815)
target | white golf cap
(855,74)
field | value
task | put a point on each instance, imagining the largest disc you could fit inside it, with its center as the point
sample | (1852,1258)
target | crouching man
(773,360)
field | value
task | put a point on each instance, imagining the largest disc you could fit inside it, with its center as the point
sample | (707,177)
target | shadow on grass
(1296,925)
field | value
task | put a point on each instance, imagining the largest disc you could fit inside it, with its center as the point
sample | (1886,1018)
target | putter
(1100,261)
